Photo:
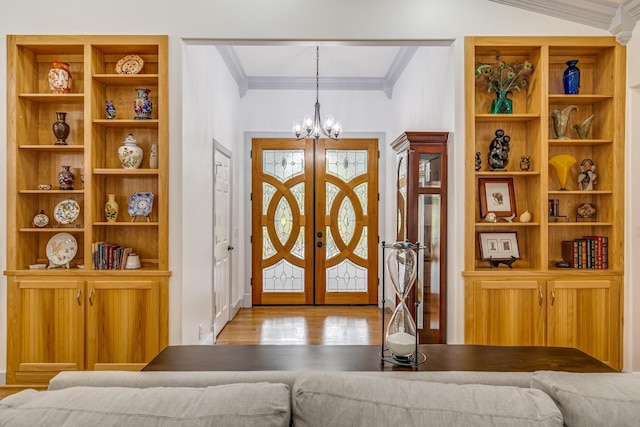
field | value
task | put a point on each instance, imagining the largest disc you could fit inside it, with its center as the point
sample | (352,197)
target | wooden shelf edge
(51,147)
(125,172)
(127,123)
(506,173)
(502,273)
(484,118)
(578,142)
(51,230)
(127,224)
(63,98)
(84,272)
(578,192)
(507,224)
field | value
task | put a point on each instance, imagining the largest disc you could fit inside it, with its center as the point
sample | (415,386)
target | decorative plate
(66,211)
(61,249)
(140,204)
(41,220)
(130,64)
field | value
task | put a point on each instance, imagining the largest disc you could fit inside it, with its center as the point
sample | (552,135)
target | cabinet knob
(91,297)
(540,297)
(78,296)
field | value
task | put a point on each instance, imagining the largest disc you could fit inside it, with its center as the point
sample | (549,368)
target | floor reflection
(338,330)
(284,330)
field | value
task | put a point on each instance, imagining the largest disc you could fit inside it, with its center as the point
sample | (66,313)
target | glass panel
(298,192)
(346,277)
(346,164)
(283,220)
(268,191)
(429,226)
(298,248)
(332,191)
(401,196)
(267,246)
(332,248)
(346,220)
(361,249)
(429,170)
(361,191)
(283,164)
(283,277)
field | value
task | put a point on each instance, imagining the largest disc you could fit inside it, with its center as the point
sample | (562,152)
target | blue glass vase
(571,78)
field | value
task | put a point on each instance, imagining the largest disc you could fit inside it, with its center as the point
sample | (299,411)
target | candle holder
(400,336)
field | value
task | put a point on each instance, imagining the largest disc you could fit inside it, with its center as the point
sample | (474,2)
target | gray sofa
(274,398)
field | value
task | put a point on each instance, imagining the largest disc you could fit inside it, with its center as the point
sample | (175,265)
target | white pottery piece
(129,153)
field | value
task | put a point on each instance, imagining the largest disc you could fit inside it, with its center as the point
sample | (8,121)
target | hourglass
(401,337)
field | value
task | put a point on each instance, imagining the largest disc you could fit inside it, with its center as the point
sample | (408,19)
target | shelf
(578,192)
(578,142)
(52,147)
(577,99)
(580,224)
(60,98)
(56,192)
(128,123)
(506,224)
(52,230)
(486,118)
(126,172)
(127,224)
(506,173)
(127,79)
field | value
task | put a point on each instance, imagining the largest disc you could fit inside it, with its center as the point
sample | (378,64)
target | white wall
(255,19)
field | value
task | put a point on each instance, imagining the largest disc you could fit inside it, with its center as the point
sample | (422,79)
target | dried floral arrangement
(502,76)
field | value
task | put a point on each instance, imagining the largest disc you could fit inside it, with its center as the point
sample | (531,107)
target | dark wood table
(440,357)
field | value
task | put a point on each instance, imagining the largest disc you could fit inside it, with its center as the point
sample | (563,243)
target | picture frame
(497,195)
(499,246)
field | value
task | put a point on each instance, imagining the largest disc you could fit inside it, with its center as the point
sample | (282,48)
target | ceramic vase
(111,208)
(61,128)
(561,119)
(111,110)
(59,77)
(142,105)
(502,104)
(153,157)
(65,178)
(129,153)
(571,78)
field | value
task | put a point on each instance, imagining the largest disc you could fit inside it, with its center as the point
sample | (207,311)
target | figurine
(561,119)
(584,127)
(499,151)
(111,110)
(525,163)
(491,217)
(587,176)
(478,161)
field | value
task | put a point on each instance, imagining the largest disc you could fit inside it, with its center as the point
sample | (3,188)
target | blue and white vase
(571,78)
(142,105)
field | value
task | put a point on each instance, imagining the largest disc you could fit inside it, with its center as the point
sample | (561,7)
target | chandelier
(312,128)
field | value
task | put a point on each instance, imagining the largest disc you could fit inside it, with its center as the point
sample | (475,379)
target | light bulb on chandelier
(314,127)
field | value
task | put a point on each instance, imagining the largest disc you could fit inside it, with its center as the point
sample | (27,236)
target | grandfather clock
(422,217)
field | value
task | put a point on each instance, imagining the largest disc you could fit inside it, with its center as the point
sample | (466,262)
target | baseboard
(3,377)
(207,340)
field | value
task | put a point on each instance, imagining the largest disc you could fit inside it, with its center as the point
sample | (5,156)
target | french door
(314,221)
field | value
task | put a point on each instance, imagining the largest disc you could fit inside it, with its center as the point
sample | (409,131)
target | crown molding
(230,58)
(619,18)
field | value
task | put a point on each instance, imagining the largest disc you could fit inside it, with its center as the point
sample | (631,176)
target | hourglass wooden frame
(416,358)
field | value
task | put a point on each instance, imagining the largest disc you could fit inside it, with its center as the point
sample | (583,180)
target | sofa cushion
(228,405)
(327,399)
(593,399)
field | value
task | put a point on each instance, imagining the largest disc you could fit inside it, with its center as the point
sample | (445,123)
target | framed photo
(497,196)
(498,246)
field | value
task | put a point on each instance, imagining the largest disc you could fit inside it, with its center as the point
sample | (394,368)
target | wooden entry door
(315,221)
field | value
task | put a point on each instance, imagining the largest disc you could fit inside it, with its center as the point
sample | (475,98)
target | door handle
(540,297)
(319,244)
(78,296)
(91,297)
(229,248)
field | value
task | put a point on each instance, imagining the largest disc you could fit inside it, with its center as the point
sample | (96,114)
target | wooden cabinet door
(123,324)
(46,324)
(585,314)
(508,312)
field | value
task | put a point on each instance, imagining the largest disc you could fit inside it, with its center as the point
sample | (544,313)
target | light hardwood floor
(329,325)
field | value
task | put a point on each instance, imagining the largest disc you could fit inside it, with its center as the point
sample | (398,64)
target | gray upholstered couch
(273,398)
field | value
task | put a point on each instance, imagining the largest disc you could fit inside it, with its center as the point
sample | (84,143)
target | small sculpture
(510,217)
(584,127)
(560,120)
(525,163)
(587,175)
(525,217)
(491,217)
(562,163)
(478,161)
(499,151)
(111,110)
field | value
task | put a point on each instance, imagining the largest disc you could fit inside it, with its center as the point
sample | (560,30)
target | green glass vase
(502,104)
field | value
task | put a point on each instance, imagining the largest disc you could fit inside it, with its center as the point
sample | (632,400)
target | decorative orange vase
(60,77)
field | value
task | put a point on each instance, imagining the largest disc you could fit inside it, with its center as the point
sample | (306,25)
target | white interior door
(222,239)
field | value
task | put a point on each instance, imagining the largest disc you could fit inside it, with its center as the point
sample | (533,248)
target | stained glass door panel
(347,194)
(281,195)
(344,238)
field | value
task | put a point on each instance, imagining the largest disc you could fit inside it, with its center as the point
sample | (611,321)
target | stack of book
(587,252)
(109,256)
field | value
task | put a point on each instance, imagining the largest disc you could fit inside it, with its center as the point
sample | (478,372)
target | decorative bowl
(44,186)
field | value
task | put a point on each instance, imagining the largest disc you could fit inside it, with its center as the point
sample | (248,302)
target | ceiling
(358,66)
